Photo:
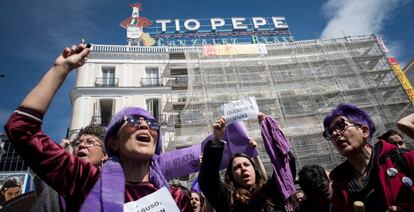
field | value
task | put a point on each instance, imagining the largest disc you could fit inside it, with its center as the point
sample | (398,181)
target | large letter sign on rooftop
(280,22)
(177,25)
(238,23)
(195,27)
(163,23)
(258,21)
(217,22)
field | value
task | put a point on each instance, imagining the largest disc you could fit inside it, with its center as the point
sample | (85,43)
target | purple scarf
(277,147)
(108,192)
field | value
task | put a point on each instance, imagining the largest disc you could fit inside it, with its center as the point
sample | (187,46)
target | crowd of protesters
(122,163)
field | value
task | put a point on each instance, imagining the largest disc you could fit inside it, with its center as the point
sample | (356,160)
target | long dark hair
(237,192)
(199,195)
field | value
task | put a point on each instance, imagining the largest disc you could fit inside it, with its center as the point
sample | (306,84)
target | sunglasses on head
(135,121)
(340,125)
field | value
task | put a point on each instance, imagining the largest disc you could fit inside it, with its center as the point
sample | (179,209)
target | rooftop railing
(167,49)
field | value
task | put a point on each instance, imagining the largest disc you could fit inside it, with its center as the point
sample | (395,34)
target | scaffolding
(298,83)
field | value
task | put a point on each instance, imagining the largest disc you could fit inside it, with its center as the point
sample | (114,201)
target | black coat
(266,198)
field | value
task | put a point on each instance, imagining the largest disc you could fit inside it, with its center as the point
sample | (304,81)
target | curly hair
(95,130)
(237,192)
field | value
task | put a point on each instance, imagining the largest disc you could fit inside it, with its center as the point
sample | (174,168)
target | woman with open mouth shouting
(132,141)
(244,187)
(380,175)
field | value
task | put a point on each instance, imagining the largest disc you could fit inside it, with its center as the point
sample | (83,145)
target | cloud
(396,49)
(355,17)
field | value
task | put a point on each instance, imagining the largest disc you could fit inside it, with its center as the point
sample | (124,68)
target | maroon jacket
(392,190)
(68,175)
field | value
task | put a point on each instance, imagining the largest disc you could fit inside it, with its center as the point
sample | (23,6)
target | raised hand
(72,57)
(252,143)
(41,95)
(261,117)
(218,129)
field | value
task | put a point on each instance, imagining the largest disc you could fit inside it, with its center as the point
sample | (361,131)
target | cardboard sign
(160,200)
(242,109)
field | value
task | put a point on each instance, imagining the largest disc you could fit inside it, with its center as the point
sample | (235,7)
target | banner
(242,109)
(402,78)
(185,161)
(161,200)
(234,49)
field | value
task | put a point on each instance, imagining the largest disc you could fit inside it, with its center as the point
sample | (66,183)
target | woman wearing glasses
(370,174)
(89,145)
(132,140)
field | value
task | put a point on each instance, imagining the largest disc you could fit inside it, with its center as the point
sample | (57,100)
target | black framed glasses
(87,143)
(135,121)
(339,126)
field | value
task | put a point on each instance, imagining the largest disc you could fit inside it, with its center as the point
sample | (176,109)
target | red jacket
(393,191)
(68,175)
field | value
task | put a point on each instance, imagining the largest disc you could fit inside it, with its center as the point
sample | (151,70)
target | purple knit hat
(156,171)
(116,123)
(108,192)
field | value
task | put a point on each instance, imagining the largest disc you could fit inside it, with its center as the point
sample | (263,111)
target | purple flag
(195,187)
(278,148)
(185,161)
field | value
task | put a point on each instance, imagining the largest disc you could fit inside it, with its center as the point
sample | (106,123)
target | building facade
(12,165)
(296,82)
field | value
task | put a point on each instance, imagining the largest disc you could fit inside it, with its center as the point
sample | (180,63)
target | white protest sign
(160,200)
(242,109)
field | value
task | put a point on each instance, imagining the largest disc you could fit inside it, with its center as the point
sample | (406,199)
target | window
(151,77)
(153,108)
(108,78)
(106,108)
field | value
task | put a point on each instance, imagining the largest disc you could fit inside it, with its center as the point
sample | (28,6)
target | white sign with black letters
(242,109)
(160,200)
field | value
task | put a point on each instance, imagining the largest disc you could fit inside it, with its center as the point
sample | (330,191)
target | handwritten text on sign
(160,200)
(242,109)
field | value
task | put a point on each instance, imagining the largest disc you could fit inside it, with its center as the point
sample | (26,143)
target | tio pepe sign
(238,23)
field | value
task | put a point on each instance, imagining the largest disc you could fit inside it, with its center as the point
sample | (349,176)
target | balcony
(178,82)
(106,82)
(151,82)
